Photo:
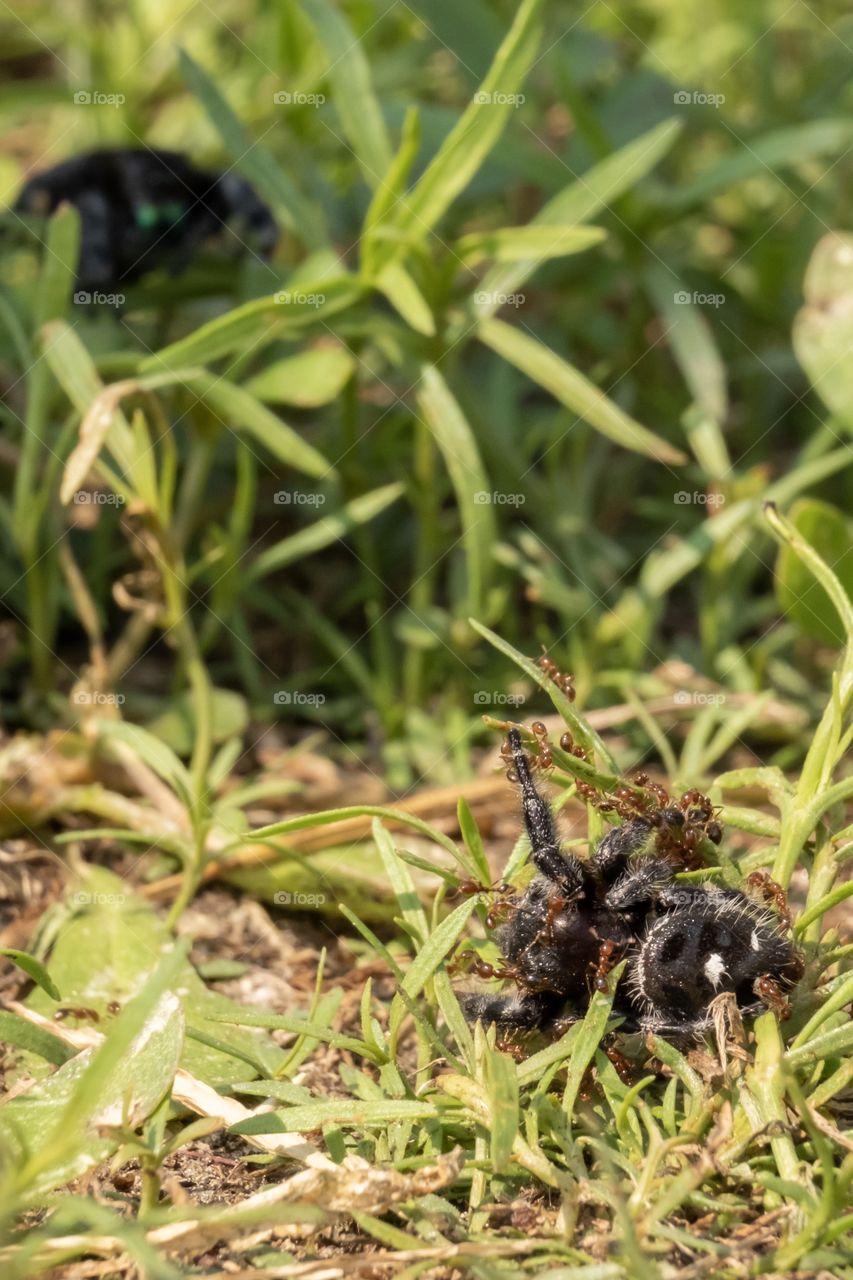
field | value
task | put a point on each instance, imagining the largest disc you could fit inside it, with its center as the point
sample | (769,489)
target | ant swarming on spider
(768,990)
(683,946)
(771,893)
(603,966)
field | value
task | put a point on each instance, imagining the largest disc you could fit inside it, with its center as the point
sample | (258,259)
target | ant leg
(563,870)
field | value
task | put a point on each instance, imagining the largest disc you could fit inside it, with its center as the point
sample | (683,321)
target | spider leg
(620,844)
(678,1032)
(558,867)
(511,1012)
(647,881)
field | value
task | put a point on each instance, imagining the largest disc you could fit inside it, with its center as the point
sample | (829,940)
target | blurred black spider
(684,945)
(141,209)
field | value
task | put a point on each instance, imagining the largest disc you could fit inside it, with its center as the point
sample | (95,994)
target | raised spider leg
(562,869)
(649,881)
(620,844)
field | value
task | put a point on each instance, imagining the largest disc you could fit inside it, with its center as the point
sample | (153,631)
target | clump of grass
(698,1165)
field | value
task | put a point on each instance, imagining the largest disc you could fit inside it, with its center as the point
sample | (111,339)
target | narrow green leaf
(75,371)
(17,1031)
(575,391)
(801,597)
(59,266)
(406,298)
(344,1111)
(581,200)
(243,412)
(581,731)
(459,449)
(323,532)
(691,341)
(355,100)
(536,242)
(589,1038)
(155,753)
(392,185)
(34,969)
(306,380)
(255,324)
(476,132)
(777,149)
(502,1092)
(429,957)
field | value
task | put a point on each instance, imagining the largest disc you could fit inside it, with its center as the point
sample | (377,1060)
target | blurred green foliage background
(709,142)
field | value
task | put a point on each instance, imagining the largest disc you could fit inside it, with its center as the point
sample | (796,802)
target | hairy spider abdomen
(718,941)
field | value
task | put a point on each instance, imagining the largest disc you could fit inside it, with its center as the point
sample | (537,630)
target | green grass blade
(458,446)
(475,134)
(255,324)
(575,391)
(34,969)
(597,189)
(354,96)
(323,532)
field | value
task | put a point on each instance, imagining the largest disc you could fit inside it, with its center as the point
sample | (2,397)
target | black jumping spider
(141,209)
(684,945)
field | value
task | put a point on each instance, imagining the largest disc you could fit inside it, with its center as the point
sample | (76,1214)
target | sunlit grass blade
(581,200)
(534,242)
(575,391)
(255,324)
(323,532)
(476,132)
(459,449)
(354,96)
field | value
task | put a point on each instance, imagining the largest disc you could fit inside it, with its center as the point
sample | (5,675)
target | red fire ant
(603,966)
(562,679)
(771,892)
(773,996)
(468,960)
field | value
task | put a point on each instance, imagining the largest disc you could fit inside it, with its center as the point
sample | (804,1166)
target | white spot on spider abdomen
(715,967)
(754,941)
